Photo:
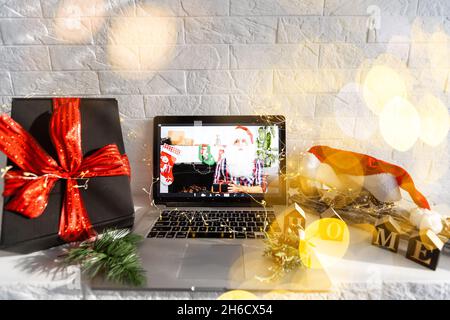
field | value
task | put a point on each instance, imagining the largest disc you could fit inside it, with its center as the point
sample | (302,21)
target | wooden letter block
(424,248)
(386,234)
(294,219)
(331,226)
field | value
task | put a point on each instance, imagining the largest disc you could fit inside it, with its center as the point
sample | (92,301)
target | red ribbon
(29,193)
(352,163)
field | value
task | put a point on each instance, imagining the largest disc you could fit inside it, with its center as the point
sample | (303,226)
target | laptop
(218,190)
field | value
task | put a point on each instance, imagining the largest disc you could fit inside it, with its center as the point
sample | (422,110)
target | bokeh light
(382,84)
(434,119)
(326,242)
(237,295)
(400,124)
(427,169)
(73,21)
(146,43)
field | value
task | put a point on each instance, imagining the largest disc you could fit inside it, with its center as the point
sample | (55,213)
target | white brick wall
(228,57)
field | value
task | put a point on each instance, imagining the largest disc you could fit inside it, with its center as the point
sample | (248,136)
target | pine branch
(113,254)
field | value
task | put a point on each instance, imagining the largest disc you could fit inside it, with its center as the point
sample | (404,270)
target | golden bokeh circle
(237,295)
(400,124)
(434,119)
(326,241)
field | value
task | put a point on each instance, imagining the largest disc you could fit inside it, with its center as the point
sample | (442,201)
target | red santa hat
(364,165)
(246,131)
(334,167)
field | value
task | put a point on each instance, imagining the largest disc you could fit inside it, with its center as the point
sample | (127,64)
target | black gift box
(108,200)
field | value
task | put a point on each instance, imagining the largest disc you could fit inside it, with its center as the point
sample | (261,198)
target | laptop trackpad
(212,261)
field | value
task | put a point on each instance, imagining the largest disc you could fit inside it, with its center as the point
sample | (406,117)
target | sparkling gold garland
(353,207)
(359,208)
(284,251)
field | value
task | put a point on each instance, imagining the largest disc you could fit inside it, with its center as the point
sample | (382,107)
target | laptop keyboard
(232,224)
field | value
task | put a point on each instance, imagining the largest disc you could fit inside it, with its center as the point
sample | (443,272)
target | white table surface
(366,272)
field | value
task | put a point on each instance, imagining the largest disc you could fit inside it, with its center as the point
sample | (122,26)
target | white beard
(240,163)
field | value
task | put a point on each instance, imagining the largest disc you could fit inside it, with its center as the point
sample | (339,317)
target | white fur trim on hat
(424,219)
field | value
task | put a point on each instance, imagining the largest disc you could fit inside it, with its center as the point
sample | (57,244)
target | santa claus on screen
(239,167)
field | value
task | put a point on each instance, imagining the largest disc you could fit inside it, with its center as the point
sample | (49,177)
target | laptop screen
(212,161)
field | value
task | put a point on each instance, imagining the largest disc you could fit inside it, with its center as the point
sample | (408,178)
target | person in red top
(239,167)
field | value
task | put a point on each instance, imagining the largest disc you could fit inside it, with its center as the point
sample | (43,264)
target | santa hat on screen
(335,168)
(241,132)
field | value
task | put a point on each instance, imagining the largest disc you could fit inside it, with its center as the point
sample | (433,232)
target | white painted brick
(130,31)
(24,58)
(355,120)
(70,8)
(121,8)
(138,138)
(263,35)
(292,106)
(351,56)
(429,79)
(235,81)
(231,30)
(44,31)
(164,8)
(359,7)
(426,26)
(5,104)
(447,88)
(187,105)
(394,29)
(20,8)
(207,82)
(125,58)
(186,57)
(5,84)
(276,7)
(130,106)
(69,31)
(324,105)
(434,8)
(167,82)
(23,31)
(55,83)
(321,29)
(311,81)
(299,29)
(249,104)
(95,8)
(417,96)
(297,109)
(430,55)
(81,58)
(274,56)
(182,8)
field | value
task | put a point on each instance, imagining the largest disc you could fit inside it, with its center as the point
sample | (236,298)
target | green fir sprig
(113,254)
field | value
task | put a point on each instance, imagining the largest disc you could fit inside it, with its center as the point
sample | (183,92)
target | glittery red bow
(30,186)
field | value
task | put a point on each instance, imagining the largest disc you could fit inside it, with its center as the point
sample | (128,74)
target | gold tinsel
(357,207)
(354,207)
(283,249)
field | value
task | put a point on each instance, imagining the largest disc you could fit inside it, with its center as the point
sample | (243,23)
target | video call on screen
(229,160)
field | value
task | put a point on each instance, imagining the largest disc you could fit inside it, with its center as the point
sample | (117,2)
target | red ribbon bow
(30,186)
